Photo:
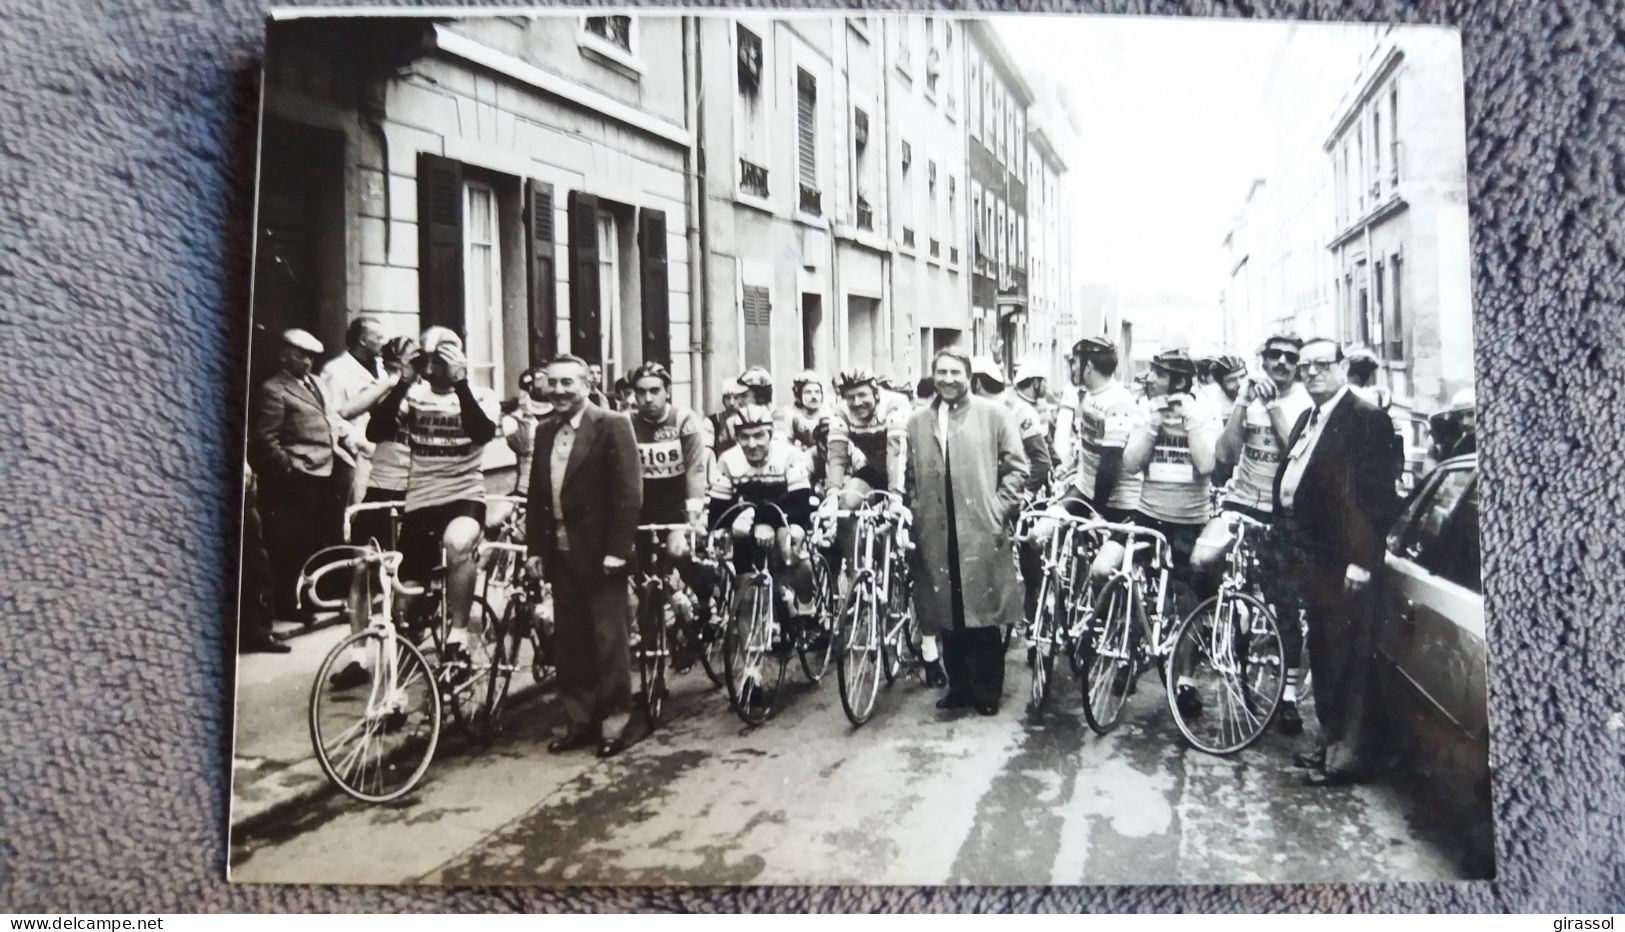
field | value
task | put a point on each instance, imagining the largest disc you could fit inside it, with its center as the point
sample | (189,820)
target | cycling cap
(1029,370)
(756,377)
(986,367)
(803,379)
(647,370)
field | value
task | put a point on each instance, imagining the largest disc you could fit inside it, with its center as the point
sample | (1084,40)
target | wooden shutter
(758,309)
(656,291)
(440,242)
(807,124)
(586,324)
(543,281)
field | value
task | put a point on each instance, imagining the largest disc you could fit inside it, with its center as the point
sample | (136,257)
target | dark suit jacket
(602,494)
(289,428)
(1345,501)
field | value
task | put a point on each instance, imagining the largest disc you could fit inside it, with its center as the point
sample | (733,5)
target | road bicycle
(876,623)
(1229,649)
(657,636)
(1064,606)
(756,644)
(1129,628)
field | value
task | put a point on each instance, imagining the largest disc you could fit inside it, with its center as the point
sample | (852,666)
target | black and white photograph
(839,448)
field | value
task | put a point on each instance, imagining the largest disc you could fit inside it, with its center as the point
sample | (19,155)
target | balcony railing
(812,200)
(752,178)
(908,237)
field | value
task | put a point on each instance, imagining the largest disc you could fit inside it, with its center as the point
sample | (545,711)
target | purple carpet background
(127,140)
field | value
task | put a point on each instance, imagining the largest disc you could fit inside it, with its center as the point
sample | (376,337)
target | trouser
(973,657)
(1340,646)
(590,636)
(1187,587)
(299,514)
(255,609)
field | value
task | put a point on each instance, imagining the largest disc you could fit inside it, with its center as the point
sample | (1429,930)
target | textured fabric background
(127,137)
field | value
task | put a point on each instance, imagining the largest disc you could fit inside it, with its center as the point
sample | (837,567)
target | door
(1433,619)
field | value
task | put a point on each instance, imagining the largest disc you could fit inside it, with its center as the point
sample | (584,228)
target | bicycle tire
(467,710)
(712,633)
(400,769)
(755,670)
(815,659)
(652,658)
(508,643)
(857,665)
(1108,675)
(1253,688)
(1045,643)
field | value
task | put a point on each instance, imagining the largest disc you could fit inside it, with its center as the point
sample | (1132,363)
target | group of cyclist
(1178,451)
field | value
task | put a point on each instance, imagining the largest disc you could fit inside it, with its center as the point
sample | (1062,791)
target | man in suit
(294,438)
(1336,486)
(586,490)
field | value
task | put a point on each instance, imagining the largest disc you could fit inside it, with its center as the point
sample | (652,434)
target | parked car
(1431,695)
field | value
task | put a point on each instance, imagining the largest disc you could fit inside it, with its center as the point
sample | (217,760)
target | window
(482,287)
(811,200)
(1021,242)
(1394,325)
(1003,241)
(933,58)
(1442,536)
(953,221)
(1376,152)
(1393,136)
(951,62)
(931,203)
(905,195)
(979,234)
(616,30)
(611,37)
(609,290)
(1382,309)
(974,100)
(860,170)
(905,44)
(750,113)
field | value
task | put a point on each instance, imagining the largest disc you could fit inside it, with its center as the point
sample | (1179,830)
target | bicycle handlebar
(388,560)
(353,510)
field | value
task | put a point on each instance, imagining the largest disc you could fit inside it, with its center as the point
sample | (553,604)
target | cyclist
(759,382)
(1032,388)
(873,425)
(1223,394)
(796,422)
(519,424)
(671,451)
(722,424)
(447,423)
(761,471)
(1174,494)
(1254,439)
(386,482)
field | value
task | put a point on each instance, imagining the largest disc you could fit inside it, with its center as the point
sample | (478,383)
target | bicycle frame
(1161,632)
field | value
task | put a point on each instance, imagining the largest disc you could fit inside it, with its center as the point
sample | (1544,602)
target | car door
(1433,624)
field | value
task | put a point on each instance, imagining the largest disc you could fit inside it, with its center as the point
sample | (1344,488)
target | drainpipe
(699,279)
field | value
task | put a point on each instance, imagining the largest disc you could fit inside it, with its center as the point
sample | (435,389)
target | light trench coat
(989,470)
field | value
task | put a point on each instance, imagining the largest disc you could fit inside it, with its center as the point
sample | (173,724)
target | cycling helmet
(756,377)
(987,368)
(1226,366)
(647,370)
(1093,346)
(803,379)
(730,389)
(1174,362)
(1029,370)
(398,348)
(856,377)
(750,416)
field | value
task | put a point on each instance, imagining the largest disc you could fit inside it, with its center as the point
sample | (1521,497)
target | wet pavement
(916,796)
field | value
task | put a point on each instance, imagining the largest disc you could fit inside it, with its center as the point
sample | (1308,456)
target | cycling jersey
(1253,485)
(781,480)
(671,453)
(1034,439)
(391,464)
(882,439)
(447,434)
(794,424)
(1173,490)
(1104,420)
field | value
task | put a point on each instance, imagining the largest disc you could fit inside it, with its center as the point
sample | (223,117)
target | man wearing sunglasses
(1254,440)
(1337,487)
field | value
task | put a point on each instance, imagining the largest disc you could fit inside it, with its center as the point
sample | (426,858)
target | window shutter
(807,121)
(586,325)
(544,327)
(656,291)
(758,309)
(440,242)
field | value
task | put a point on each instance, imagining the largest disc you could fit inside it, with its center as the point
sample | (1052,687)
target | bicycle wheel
(652,655)
(508,645)
(817,646)
(857,665)
(894,628)
(463,685)
(711,629)
(1044,638)
(902,602)
(754,669)
(1108,664)
(1229,648)
(375,740)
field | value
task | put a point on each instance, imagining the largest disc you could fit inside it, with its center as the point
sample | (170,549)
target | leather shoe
(1310,760)
(1288,721)
(952,701)
(988,708)
(609,747)
(572,741)
(1331,776)
(263,645)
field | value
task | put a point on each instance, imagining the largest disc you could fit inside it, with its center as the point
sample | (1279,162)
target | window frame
(630,58)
